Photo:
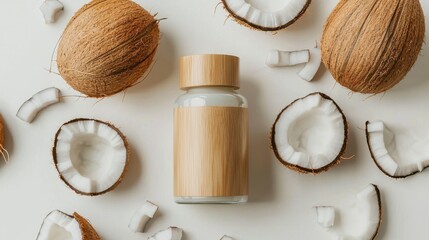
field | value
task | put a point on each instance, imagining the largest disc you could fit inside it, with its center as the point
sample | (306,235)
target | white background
(281,200)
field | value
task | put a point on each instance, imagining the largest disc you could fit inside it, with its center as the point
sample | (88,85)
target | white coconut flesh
(267,19)
(142,216)
(325,216)
(399,153)
(171,233)
(310,133)
(59,226)
(277,58)
(310,69)
(39,101)
(361,218)
(91,156)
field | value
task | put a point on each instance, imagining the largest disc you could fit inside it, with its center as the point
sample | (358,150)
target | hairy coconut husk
(55,157)
(1,131)
(88,232)
(107,46)
(370,45)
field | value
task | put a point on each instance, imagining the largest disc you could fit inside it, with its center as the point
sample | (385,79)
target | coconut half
(60,226)
(39,101)
(255,18)
(91,156)
(400,153)
(310,134)
(359,219)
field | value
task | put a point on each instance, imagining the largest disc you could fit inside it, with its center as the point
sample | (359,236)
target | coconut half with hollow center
(398,153)
(360,217)
(58,225)
(310,134)
(250,16)
(91,156)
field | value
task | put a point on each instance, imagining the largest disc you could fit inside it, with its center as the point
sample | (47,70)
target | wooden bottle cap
(209,70)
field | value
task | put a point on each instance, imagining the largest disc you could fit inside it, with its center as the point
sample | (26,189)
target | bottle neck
(211,89)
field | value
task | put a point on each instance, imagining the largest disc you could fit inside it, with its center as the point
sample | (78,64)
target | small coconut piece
(250,16)
(360,219)
(310,134)
(277,58)
(4,153)
(142,216)
(227,238)
(311,68)
(91,156)
(325,216)
(51,9)
(39,101)
(399,153)
(58,225)
(171,233)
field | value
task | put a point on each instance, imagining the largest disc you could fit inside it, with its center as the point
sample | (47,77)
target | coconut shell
(124,138)
(88,232)
(370,45)
(243,21)
(1,131)
(107,47)
(300,169)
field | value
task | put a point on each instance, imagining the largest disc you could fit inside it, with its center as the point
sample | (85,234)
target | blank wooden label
(210,152)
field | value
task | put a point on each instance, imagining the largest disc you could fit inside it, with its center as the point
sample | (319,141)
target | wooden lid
(209,70)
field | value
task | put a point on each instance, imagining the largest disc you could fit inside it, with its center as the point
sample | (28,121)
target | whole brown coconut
(370,45)
(107,46)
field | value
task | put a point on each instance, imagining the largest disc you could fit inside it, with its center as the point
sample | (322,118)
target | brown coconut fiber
(370,45)
(88,232)
(107,47)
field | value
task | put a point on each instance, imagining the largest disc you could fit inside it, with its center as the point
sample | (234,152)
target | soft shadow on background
(134,171)
(262,184)
(162,69)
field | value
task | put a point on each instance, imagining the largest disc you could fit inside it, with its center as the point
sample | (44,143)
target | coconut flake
(58,225)
(266,20)
(51,9)
(310,134)
(277,58)
(325,216)
(399,153)
(39,101)
(225,237)
(311,68)
(90,155)
(142,216)
(171,233)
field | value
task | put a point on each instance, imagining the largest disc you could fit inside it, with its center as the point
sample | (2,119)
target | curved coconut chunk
(310,133)
(277,58)
(266,20)
(142,216)
(311,68)
(360,219)
(90,155)
(398,153)
(227,238)
(325,216)
(58,225)
(50,10)
(171,233)
(30,108)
